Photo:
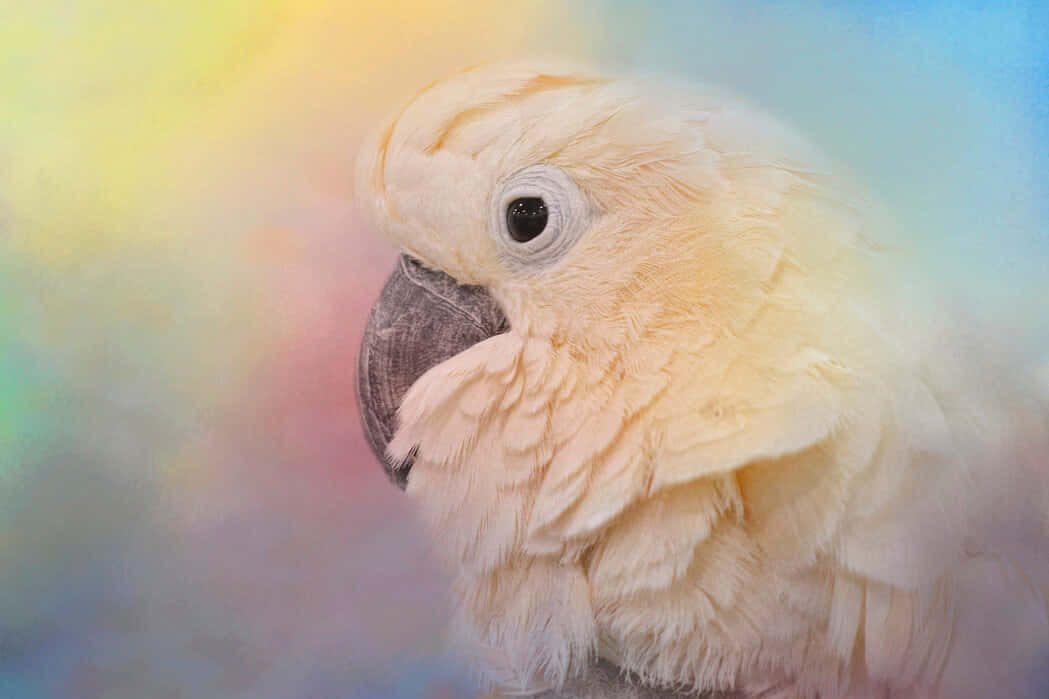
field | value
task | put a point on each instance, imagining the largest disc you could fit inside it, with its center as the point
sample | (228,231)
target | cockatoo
(657,385)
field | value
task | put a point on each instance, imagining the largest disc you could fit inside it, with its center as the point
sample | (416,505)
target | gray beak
(421,319)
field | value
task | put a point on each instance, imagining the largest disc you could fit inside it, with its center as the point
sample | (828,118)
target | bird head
(587,210)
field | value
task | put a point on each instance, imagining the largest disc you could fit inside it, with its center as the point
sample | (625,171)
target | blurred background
(187,505)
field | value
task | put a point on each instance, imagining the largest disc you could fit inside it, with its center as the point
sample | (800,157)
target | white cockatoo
(658,385)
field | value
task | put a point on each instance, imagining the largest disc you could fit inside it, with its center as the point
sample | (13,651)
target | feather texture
(711,449)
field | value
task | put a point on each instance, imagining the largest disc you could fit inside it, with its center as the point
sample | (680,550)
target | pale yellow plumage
(711,449)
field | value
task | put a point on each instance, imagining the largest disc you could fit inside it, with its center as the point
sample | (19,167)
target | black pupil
(526,218)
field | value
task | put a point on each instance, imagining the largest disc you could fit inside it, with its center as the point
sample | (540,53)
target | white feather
(722,445)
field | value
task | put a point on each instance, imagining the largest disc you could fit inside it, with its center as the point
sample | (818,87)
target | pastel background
(187,506)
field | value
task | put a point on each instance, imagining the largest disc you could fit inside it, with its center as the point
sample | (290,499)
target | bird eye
(538,214)
(526,218)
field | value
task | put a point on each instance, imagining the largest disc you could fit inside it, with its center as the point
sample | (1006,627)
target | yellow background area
(115,111)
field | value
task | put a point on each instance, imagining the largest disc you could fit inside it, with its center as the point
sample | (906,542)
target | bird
(681,414)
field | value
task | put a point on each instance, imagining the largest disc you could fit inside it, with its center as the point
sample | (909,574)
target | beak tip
(398,471)
(376,417)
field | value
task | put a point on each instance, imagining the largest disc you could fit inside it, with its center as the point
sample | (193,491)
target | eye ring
(536,236)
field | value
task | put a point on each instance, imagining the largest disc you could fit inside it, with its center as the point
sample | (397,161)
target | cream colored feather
(721,445)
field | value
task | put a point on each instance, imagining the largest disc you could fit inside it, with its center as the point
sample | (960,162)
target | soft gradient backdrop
(187,506)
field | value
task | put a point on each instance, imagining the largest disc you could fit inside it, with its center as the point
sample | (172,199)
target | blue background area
(941,108)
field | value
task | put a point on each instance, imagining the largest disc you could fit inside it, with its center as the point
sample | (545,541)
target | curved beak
(422,318)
